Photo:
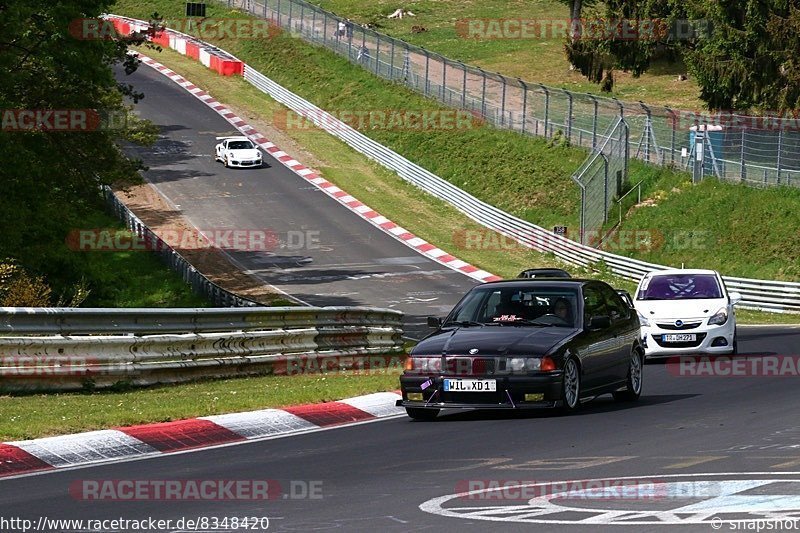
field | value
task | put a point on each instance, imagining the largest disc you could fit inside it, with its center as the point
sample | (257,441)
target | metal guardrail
(757,151)
(200,284)
(71,349)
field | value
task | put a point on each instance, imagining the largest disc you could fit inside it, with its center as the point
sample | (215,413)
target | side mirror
(735,297)
(434,322)
(599,322)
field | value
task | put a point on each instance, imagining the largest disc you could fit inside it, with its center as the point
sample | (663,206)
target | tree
(49,180)
(626,35)
(749,58)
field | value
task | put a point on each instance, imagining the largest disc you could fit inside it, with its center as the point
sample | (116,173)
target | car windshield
(240,145)
(680,287)
(535,306)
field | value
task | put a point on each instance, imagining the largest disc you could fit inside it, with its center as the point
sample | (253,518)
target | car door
(623,328)
(601,351)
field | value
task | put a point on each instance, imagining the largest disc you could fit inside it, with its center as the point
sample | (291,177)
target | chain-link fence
(601,179)
(749,150)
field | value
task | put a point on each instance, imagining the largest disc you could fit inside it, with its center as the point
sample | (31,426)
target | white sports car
(237,152)
(686,312)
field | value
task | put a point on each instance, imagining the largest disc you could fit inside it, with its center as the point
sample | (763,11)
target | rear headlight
(524,364)
(424,364)
(719,318)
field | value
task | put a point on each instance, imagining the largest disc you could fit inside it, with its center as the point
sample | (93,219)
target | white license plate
(679,337)
(470,385)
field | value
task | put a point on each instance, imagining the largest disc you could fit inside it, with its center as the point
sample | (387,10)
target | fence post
(444,79)
(290,14)
(302,16)
(524,102)
(313,23)
(377,54)
(324,27)
(483,94)
(780,149)
(503,101)
(427,67)
(265,9)
(743,171)
(391,62)
(647,125)
(594,122)
(569,115)
(464,87)
(546,108)
(280,18)
(672,136)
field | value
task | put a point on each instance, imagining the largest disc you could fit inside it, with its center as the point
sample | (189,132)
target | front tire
(633,388)
(571,387)
(422,414)
(226,163)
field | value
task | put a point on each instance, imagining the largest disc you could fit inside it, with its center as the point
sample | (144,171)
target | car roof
(526,282)
(237,139)
(676,271)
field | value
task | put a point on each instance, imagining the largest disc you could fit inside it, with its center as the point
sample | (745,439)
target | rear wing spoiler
(242,137)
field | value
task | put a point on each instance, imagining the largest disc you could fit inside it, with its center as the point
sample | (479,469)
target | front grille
(700,338)
(672,327)
(470,366)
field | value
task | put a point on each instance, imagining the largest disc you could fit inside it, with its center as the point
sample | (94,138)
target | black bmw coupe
(526,343)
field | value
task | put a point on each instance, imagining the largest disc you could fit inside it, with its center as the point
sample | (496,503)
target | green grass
(535,59)
(41,415)
(126,279)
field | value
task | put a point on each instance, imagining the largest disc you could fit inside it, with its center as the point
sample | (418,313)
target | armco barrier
(773,296)
(70,349)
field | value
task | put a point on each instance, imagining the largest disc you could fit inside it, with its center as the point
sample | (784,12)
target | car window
(239,145)
(594,303)
(542,305)
(679,287)
(617,308)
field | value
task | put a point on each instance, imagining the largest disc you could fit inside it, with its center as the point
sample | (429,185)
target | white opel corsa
(686,312)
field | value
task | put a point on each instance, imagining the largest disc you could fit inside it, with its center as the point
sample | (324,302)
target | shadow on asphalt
(602,404)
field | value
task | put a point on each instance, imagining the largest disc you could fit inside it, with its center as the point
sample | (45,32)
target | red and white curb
(376,219)
(126,443)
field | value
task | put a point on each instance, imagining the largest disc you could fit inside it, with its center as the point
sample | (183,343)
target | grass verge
(42,415)
(130,279)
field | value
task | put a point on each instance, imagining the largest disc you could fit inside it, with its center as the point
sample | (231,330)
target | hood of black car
(494,340)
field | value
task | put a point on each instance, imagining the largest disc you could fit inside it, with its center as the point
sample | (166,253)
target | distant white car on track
(237,152)
(686,312)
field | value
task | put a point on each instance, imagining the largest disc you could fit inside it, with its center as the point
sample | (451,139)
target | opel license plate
(679,337)
(470,385)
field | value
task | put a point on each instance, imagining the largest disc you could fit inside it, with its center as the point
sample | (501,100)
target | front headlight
(643,320)
(719,318)
(522,365)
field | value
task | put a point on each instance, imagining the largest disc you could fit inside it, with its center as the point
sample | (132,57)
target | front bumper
(708,340)
(510,394)
(246,164)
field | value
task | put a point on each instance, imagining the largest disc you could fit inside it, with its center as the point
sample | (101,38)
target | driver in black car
(563,309)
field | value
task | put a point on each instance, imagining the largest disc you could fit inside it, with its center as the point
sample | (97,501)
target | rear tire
(571,387)
(422,414)
(633,388)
